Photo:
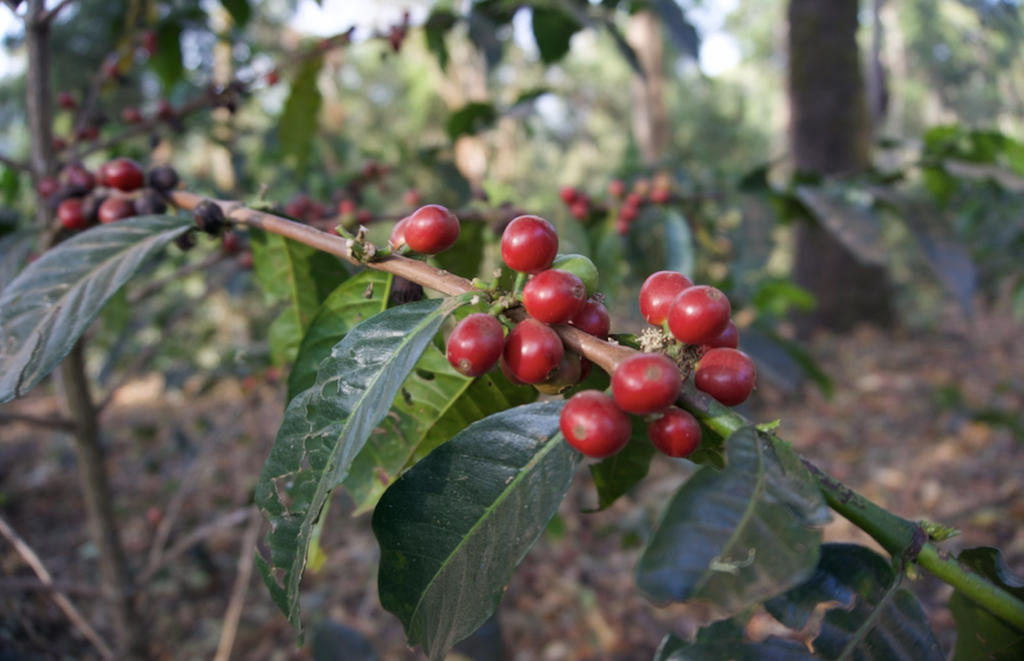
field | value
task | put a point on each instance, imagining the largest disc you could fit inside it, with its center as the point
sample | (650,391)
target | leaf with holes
(455,526)
(326,426)
(981,635)
(434,404)
(353,301)
(51,303)
(736,537)
(617,474)
(875,619)
(301,276)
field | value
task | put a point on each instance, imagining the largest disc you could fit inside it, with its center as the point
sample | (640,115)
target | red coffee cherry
(593,319)
(729,338)
(568,194)
(71,214)
(554,296)
(131,115)
(47,186)
(59,144)
(346,207)
(79,179)
(565,376)
(580,208)
(594,425)
(163,177)
(635,200)
(476,344)
(412,198)
(272,78)
(699,315)
(432,229)
(507,371)
(658,292)
(661,195)
(627,214)
(532,351)
(67,101)
(164,110)
(646,383)
(676,433)
(616,188)
(726,374)
(115,208)
(124,174)
(529,244)
(231,243)
(150,42)
(398,233)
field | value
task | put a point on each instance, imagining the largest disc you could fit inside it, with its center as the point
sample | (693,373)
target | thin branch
(15,165)
(53,422)
(26,584)
(199,534)
(30,557)
(48,16)
(234,612)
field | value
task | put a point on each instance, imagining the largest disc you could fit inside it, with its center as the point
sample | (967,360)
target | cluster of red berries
(628,204)
(111,193)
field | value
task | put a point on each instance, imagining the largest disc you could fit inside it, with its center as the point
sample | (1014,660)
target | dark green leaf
(736,537)
(471,119)
(51,303)
(299,275)
(465,257)
(434,404)
(14,250)
(861,582)
(681,31)
(298,123)
(982,636)
(333,641)
(326,426)
(724,640)
(854,225)
(553,29)
(10,184)
(239,10)
(355,300)
(166,61)
(784,361)
(619,473)
(436,28)
(455,526)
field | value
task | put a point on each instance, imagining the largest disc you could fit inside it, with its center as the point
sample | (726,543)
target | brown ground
(891,432)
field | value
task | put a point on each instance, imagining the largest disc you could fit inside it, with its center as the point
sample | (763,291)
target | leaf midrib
(552,443)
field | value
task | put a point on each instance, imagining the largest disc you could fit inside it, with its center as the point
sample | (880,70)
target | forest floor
(921,425)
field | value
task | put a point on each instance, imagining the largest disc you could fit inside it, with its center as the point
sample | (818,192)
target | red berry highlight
(432,229)
(726,374)
(475,345)
(115,208)
(554,296)
(593,319)
(676,434)
(398,233)
(658,292)
(71,214)
(729,338)
(699,315)
(532,351)
(593,424)
(124,174)
(646,383)
(529,244)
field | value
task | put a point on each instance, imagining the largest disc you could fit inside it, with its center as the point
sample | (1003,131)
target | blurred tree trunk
(651,128)
(830,133)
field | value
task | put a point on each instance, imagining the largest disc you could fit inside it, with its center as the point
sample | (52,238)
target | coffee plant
(458,408)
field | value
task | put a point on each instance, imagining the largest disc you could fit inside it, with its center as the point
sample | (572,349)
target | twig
(15,165)
(188,480)
(55,422)
(30,557)
(194,537)
(48,16)
(234,612)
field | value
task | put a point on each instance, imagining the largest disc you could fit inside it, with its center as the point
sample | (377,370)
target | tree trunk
(651,128)
(830,133)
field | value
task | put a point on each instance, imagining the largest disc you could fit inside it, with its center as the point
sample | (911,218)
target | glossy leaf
(736,537)
(301,276)
(617,474)
(298,121)
(553,29)
(14,250)
(724,640)
(326,426)
(352,302)
(471,119)
(980,635)
(434,404)
(861,582)
(456,525)
(48,306)
(854,225)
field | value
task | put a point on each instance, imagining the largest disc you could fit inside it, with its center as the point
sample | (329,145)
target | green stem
(901,538)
